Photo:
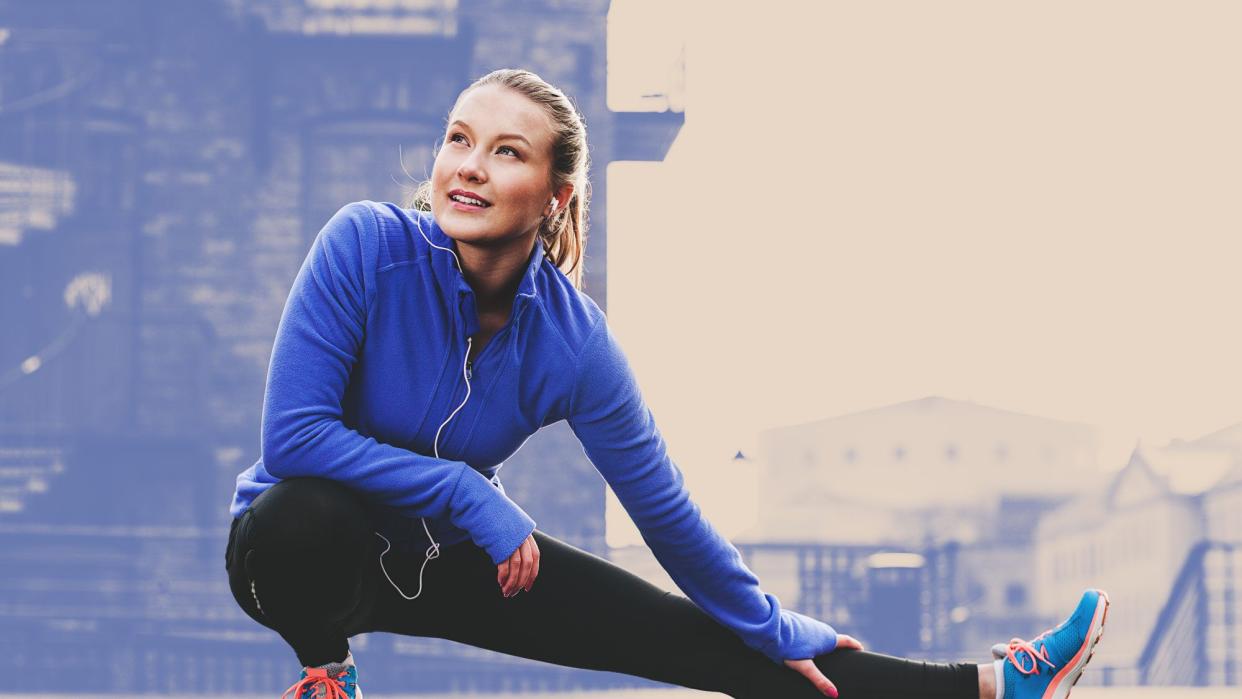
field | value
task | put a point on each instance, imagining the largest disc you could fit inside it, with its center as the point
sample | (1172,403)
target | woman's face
(498,148)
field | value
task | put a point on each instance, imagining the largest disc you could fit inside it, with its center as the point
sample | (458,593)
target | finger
(519,565)
(515,571)
(845,641)
(502,573)
(535,572)
(811,671)
(528,565)
(515,567)
(532,556)
(823,684)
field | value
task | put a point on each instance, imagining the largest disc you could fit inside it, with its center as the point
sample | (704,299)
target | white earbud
(554,203)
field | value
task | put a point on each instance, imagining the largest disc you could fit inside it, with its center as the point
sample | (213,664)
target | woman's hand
(811,671)
(518,573)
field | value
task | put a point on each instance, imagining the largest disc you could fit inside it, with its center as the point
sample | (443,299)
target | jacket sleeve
(317,343)
(619,436)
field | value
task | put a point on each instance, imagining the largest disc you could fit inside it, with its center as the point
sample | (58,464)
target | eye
(453,139)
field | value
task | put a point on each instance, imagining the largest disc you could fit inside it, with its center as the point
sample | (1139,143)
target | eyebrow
(503,135)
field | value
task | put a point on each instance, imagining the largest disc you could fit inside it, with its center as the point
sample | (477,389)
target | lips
(468,193)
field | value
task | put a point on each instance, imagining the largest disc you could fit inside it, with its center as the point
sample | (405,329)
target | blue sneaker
(1049,665)
(333,681)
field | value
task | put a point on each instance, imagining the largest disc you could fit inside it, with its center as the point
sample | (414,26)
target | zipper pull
(469,369)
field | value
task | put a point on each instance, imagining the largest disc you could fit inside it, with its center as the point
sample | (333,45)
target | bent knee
(308,514)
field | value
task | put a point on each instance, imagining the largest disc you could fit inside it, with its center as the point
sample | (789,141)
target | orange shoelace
(325,687)
(1017,644)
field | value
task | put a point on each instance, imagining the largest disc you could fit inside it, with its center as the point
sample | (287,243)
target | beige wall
(1027,206)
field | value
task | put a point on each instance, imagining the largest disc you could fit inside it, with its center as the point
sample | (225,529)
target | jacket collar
(452,282)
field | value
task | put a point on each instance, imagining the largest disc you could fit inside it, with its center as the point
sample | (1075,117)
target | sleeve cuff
(495,523)
(510,537)
(801,637)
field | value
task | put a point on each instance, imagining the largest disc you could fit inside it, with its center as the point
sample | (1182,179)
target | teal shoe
(333,681)
(1049,665)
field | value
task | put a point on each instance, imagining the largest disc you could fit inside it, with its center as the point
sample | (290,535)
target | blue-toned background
(164,167)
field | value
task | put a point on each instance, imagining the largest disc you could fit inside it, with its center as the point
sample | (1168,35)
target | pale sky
(1031,207)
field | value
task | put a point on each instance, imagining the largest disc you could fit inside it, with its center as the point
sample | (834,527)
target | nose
(470,168)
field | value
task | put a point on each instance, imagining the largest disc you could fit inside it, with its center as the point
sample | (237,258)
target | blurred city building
(936,528)
(1164,537)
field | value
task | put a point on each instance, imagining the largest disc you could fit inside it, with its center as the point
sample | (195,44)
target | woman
(419,348)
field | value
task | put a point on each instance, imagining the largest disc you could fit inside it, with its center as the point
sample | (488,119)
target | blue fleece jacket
(369,361)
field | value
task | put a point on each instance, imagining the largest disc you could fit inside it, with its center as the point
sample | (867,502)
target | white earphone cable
(433,551)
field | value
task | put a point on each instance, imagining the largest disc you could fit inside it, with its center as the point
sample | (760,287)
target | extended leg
(584,611)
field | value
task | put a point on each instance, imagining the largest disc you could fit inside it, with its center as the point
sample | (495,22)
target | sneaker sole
(1064,681)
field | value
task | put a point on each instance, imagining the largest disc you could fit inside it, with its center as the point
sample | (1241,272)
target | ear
(563,194)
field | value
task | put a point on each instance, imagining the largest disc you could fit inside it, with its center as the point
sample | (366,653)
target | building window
(850,455)
(899,454)
(950,452)
(1002,452)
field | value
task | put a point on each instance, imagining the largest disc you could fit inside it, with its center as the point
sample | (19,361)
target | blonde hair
(564,234)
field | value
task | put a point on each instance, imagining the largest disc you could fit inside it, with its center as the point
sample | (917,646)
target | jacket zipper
(498,337)
(503,329)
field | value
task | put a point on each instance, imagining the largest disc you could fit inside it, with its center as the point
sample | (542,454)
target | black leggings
(307,545)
